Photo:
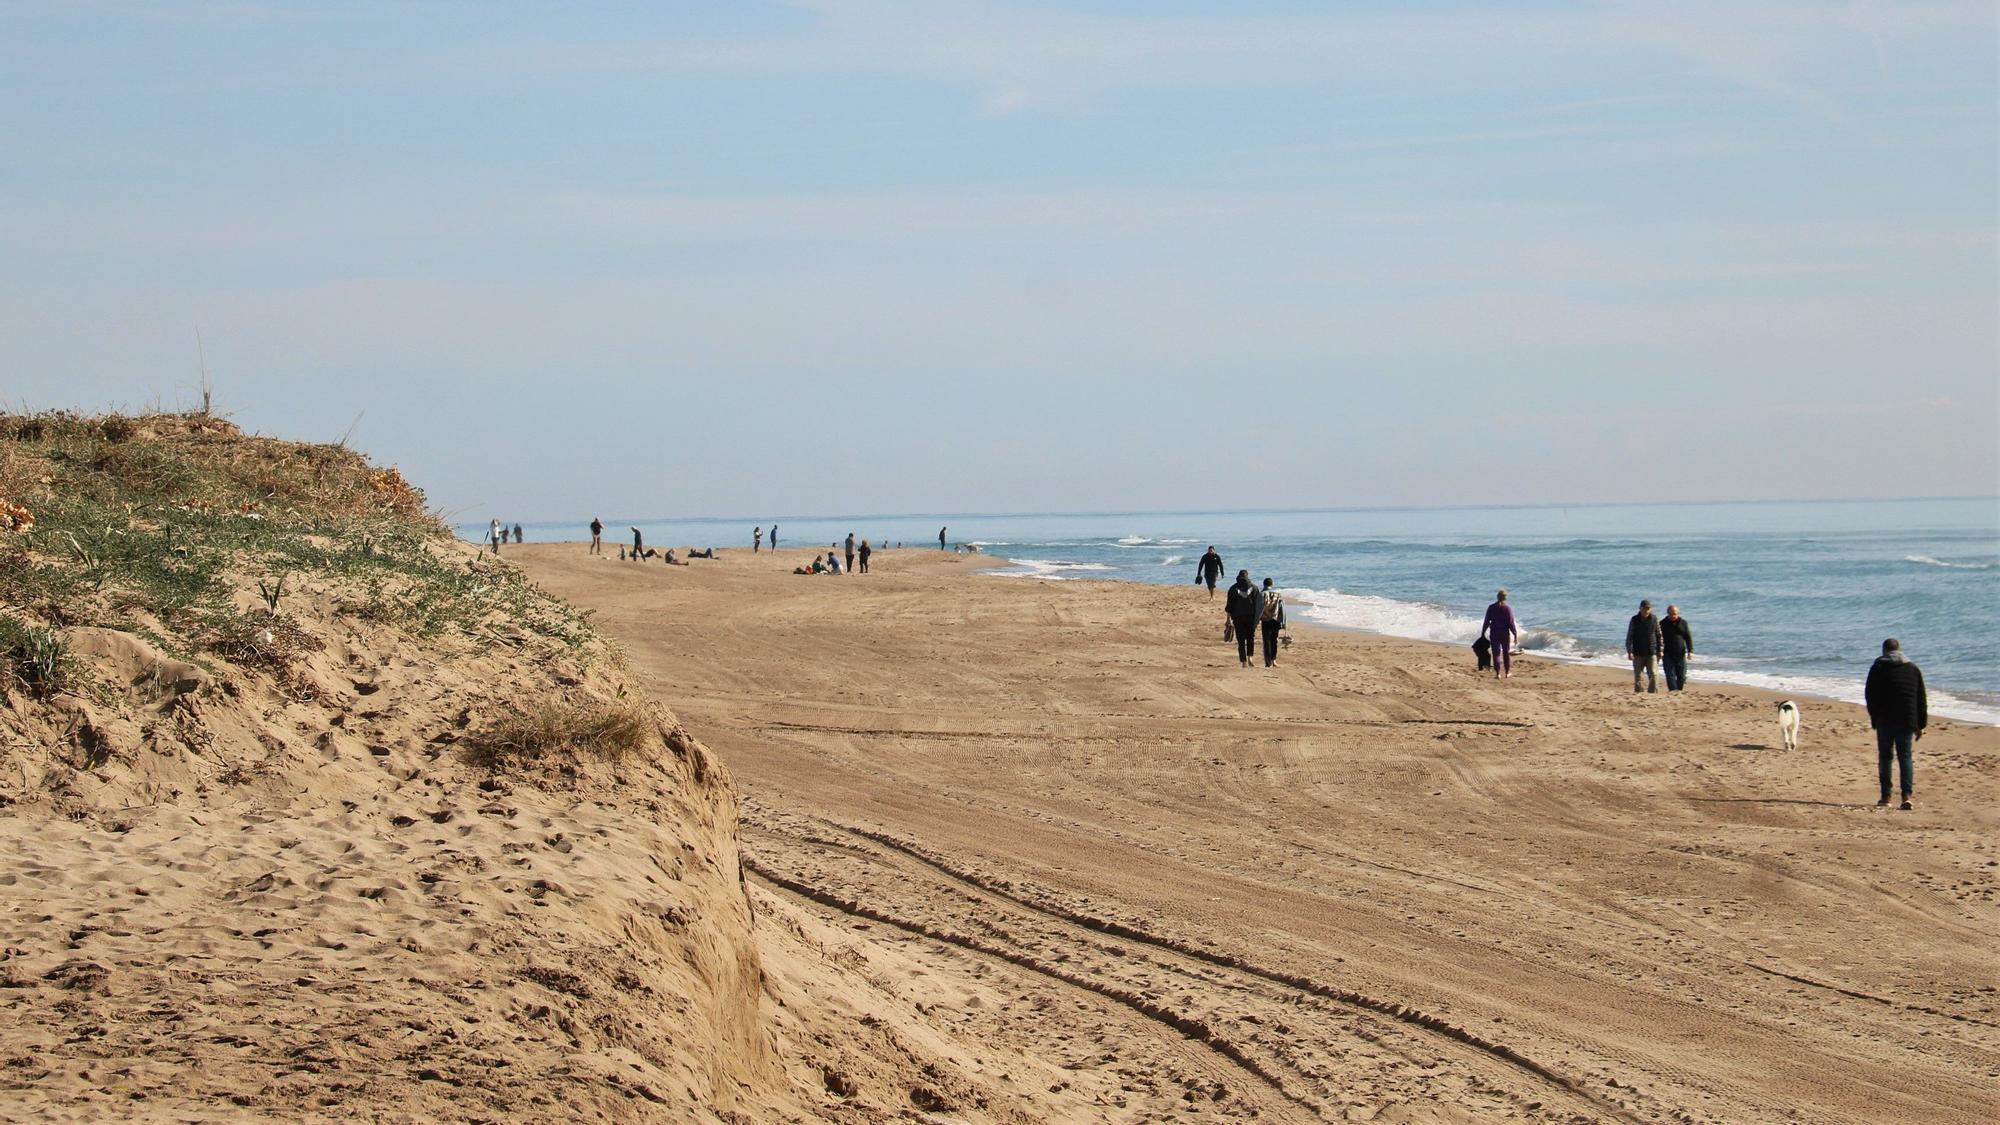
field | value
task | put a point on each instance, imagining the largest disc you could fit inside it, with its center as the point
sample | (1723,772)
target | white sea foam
(1049,570)
(1929,561)
(1422,622)
(1142,541)
(1171,560)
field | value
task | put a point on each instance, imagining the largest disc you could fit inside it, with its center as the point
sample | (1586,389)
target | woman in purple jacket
(1500,631)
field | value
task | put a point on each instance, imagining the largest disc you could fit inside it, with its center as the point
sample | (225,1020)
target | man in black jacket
(1244,607)
(1642,645)
(1677,644)
(1899,710)
(1208,570)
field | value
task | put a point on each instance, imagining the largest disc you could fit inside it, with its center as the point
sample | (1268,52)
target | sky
(866,256)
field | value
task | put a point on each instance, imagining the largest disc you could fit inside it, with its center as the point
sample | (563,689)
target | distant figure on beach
(1899,709)
(1642,645)
(1272,618)
(850,550)
(774,537)
(495,535)
(757,539)
(638,543)
(704,553)
(832,563)
(941,532)
(1500,629)
(517,533)
(597,537)
(1208,570)
(864,552)
(1244,606)
(1676,645)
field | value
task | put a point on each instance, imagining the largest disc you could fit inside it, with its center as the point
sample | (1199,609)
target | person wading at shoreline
(1676,645)
(1500,631)
(1244,607)
(1642,645)
(596,536)
(1899,709)
(1208,570)
(1272,618)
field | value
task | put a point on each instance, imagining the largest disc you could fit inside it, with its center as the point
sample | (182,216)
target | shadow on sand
(1773,801)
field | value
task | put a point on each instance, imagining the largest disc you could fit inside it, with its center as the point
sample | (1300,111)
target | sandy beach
(1027,850)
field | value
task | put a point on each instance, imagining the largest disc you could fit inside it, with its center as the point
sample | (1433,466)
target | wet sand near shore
(1048,839)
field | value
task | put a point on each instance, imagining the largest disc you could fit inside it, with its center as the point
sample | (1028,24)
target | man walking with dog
(1642,645)
(1899,710)
(1677,644)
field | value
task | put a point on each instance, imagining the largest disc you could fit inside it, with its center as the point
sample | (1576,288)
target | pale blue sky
(713,259)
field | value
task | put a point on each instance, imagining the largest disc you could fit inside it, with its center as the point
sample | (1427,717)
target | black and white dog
(1788,723)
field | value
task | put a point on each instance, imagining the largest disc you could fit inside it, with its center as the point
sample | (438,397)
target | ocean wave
(1050,570)
(1926,560)
(1142,541)
(1172,560)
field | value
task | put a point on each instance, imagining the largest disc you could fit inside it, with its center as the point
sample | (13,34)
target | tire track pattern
(1311,1043)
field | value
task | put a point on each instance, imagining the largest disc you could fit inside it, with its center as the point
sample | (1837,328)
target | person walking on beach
(1209,570)
(495,535)
(517,534)
(1676,645)
(1642,645)
(1272,618)
(638,544)
(774,537)
(1501,632)
(941,532)
(850,550)
(757,539)
(596,536)
(1899,709)
(1244,606)
(864,552)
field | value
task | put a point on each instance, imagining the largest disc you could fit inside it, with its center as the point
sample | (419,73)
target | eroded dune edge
(415,838)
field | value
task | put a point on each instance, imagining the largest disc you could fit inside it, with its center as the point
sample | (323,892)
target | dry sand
(1042,851)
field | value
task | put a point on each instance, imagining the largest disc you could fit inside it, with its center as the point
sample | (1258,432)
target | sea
(1791,596)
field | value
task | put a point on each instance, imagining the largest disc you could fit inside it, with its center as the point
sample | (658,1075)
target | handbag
(1228,628)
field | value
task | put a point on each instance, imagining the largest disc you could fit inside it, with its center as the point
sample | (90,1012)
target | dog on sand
(1788,723)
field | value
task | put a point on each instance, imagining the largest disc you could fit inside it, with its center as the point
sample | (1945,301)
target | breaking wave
(1926,560)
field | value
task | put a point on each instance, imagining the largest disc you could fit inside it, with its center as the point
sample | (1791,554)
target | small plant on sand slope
(610,730)
(37,658)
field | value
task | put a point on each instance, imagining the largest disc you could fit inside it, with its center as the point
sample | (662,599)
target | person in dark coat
(1676,645)
(850,551)
(1501,631)
(1642,645)
(1244,607)
(1209,570)
(864,551)
(1899,710)
(596,536)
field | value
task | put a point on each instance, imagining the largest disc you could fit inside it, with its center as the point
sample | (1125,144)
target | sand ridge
(1368,884)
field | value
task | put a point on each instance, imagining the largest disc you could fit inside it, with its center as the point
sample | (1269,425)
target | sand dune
(1042,851)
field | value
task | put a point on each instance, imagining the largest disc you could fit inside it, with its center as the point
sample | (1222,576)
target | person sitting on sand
(819,565)
(1500,629)
(832,563)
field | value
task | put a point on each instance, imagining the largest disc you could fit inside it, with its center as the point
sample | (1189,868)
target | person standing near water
(496,535)
(1272,618)
(774,537)
(941,532)
(1642,645)
(1501,632)
(1899,709)
(850,550)
(865,552)
(1209,569)
(757,539)
(596,536)
(1244,606)
(1676,645)
(638,544)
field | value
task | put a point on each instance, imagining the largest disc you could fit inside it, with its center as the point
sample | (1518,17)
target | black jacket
(1896,697)
(1245,605)
(1642,636)
(1210,567)
(1674,633)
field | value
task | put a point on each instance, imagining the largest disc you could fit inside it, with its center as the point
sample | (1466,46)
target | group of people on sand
(496,535)
(1249,611)
(855,554)
(1649,641)
(640,552)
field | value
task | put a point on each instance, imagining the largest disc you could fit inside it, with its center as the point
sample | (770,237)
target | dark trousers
(850,560)
(1246,639)
(1270,642)
(864,564)
(1675,665)
(1899,745)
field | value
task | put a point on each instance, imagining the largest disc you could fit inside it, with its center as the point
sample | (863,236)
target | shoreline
(1777,685)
